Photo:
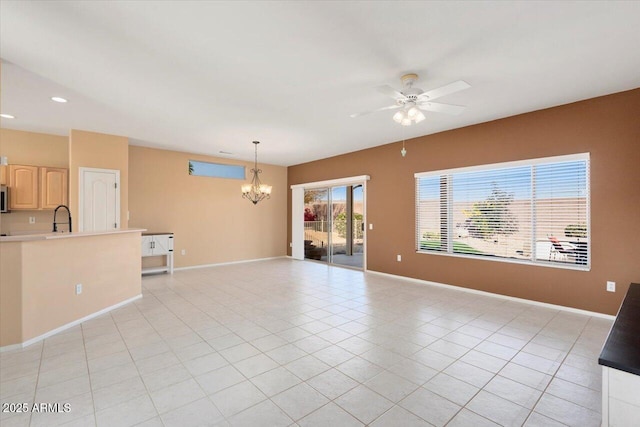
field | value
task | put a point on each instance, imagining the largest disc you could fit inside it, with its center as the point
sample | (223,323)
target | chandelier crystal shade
(256,190)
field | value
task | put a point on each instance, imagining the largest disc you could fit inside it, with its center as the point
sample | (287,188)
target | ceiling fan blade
(444,90)
(390,107)
(441,108)
(389,91)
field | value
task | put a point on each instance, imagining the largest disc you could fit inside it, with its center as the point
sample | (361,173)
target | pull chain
(403,151)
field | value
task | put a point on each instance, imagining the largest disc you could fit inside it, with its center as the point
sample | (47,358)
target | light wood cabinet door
(23,184)
(4,179)
(53,187)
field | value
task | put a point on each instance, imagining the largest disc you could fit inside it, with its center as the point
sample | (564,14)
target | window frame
(223,166)
(493,167)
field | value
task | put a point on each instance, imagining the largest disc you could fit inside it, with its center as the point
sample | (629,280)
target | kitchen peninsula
(40,274)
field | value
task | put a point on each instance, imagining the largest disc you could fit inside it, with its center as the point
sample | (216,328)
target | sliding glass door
(333,225)
(316,224)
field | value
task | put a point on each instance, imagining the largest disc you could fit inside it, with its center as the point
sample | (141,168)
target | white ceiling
(206,77)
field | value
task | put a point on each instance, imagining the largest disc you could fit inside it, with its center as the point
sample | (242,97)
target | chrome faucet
(55,224)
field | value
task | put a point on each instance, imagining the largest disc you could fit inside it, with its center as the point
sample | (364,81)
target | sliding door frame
(297,211)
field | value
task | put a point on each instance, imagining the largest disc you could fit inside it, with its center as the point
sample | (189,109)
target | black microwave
(4,199)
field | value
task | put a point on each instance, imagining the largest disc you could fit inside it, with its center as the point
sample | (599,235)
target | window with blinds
(533,211)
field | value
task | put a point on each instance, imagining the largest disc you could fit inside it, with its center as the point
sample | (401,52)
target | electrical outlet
(78,288)
(399,258)
(183,252)
(611,286)
(370,226)
(32,220)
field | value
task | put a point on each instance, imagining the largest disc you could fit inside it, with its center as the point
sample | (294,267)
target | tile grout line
(136,366)
(494,375)
(180,361)
(93,401)
(245,307)
(556,371)
(35,391)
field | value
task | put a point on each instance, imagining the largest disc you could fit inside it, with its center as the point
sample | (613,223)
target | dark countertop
(149,233)
(622,348)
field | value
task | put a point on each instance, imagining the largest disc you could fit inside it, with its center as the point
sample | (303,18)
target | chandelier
(409,114)
(256,191)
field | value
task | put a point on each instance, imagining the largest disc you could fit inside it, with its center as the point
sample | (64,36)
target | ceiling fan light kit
(411,102)
(409,115)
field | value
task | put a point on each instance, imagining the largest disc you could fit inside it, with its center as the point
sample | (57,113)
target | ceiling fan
(411,100)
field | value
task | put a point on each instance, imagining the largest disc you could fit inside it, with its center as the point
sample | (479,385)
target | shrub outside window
(532,211)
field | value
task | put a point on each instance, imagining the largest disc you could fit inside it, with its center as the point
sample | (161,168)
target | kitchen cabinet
(158,244)
(23,187)
(53,187)
(34,187)
(4,180)
(620,362)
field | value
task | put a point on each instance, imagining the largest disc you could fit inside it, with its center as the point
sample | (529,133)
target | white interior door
(99,199)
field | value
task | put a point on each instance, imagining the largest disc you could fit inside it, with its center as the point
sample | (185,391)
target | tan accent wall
(10,294)
(37,149)
(607,127)
(18,222)
(31,148)
(39,278)
(210,219)
(97,150)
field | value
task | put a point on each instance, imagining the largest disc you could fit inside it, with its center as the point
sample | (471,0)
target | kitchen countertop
(620,351)
(65,235)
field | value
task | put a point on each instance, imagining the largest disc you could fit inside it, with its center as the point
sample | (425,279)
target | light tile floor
(282,342)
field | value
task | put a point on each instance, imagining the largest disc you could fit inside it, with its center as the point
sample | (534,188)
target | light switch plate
(611,286)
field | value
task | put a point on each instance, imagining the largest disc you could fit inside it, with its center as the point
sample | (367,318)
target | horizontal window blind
(431,196)
(528,211)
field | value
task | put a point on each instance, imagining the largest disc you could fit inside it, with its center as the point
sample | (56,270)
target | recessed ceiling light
(58,99)
(7,116)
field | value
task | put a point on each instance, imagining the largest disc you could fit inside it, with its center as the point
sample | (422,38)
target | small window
(534,211)
(216,170)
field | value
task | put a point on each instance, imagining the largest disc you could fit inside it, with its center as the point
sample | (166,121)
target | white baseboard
(193,267)
(506,297)
(68,325)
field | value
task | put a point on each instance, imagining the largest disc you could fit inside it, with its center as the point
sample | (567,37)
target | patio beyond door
(333,225)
